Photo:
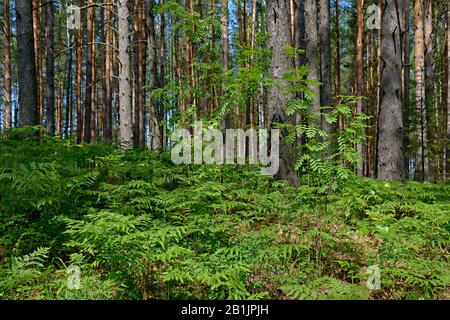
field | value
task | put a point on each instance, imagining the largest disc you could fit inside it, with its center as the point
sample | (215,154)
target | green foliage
(140,227)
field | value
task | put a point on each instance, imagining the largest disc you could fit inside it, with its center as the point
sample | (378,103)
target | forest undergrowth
(140,227)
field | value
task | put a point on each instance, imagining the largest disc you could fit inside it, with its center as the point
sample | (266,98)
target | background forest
(360,90)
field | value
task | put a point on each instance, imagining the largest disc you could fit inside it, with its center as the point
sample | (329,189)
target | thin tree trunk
(79,70)
(89,99)
(419,61)
(26,64)
(359,76)
(7,63)
(337,63)
(37,55)
(447,157)
(125,124)
(140,68)
(429,89)
(325,61)
(50,69)
(107,92)
(312,57)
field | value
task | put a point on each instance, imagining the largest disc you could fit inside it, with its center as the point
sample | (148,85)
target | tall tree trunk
(419,62)
(429,89)
(107,92)
(155,131)
(79,70)
(359,75)
(26,64)
(162,63)
(312,57)
(279,28)
(224,35)
(337,63)
(37,55)
(140,68)
(89,99)
(7,63)
(391,164)
(50,69)
(447,157)
(325,61)
(125,125)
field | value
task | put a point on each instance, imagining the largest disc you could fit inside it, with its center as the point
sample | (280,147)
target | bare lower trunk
(391,164)
(279,28)
(7,63)
(125,125)
(312,57)
(26,67)
(50,70)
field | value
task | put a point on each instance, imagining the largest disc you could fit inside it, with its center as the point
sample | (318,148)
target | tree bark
(107,91)
(50,69)
(79,70)
(7,63)
(429,90)
(312,57)
(359,76)
(278,27)
(37,55)
(325,61)
(89,101)
(140,68)
(26,64)
(391,164)
(421,167)
(125,125)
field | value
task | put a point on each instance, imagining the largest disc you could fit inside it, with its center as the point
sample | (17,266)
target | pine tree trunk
(312,57)
(125,125)
(26,64)
(447,157)
(7,62)
(359,76)
(325,61)
(140,68)
(429,89)
(37,55)
(279,28)
(79,70)
(90,74)
(107,91)
(50,69)
(391,164)
(421,168)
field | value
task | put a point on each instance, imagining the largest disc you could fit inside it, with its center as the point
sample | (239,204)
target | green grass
(140,227)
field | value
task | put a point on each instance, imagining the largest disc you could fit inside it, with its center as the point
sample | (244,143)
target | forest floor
(139,227)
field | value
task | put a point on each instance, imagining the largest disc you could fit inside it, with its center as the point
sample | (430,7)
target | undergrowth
(140,227)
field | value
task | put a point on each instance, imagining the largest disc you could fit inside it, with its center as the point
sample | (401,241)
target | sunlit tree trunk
(429,90)
(419,65)
(125,125)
